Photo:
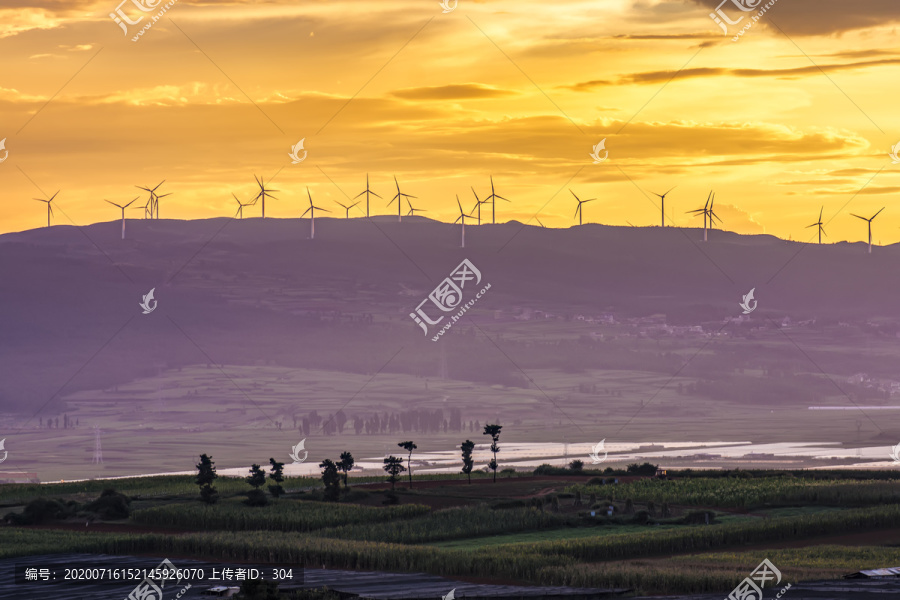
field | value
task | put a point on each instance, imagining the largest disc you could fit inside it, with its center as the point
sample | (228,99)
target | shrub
(256,497)
(41,510)
(110,505)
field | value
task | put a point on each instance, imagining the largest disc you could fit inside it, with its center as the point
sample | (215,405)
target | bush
(256,497)
(641,517)
(110,505)
(577,466)
(595,481)
(41,510)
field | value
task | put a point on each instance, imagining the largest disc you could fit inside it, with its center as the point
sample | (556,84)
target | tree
(257,478)
(494,432)
(393,466)
(468,462)
(409,447)
(576,465)
(345,465)
(277,475)
(206,475)
(331,478)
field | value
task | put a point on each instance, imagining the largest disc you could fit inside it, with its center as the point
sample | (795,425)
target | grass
(509,540)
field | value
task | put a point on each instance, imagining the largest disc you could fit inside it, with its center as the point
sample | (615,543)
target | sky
(797,114)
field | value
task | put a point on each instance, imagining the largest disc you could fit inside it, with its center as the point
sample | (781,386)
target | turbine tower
(347,208)
(49,207)
(819,225)
(312,214)
(399,198)
(154,198)
(869,220)
(241,205)
(707,212)
(263,193)
(461,218)
(123,213)
(493,200)
(367,192)
(412,211)
(578,212)
(663,207)
(478,204)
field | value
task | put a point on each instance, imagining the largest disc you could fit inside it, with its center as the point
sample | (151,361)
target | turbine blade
(878,213)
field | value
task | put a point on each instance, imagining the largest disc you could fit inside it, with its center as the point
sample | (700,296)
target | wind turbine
(869,220)
(148,210)
(312,221)
(819,225)
(478,204)
(241,205)
(399,198)
(49,207)
(412,211)
(123,213)
(493,200)
(578,212)
(263,193)
(367,192)
(539,222)
(663,207)
(706,211)
(461,218)
(154,199)
(347,208)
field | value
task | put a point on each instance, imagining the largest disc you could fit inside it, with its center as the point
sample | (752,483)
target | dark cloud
(822,17)
(462,91)
(702,72)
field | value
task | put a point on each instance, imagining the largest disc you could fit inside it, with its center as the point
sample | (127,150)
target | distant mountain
(253,290)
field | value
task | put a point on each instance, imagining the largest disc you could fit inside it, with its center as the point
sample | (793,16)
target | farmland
(691,533)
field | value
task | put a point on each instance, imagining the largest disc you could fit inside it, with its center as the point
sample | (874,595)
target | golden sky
(799,113)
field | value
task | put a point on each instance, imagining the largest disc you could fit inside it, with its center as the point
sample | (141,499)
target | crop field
(690,533)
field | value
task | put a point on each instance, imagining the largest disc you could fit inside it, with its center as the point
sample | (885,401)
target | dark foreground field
(689,534)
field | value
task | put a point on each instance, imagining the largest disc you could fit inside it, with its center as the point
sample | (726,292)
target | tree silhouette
(494,432)
(277,475)
(345,465)
(206,475)
(331,478)
(468,462)
(393,466)
(409,447)
(257,478)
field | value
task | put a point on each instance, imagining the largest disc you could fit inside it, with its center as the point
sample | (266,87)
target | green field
(517,529)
